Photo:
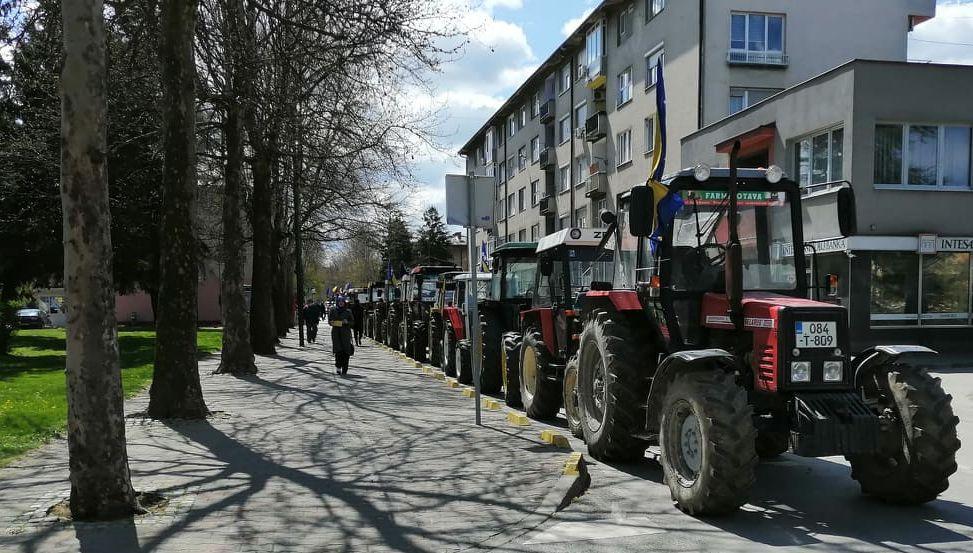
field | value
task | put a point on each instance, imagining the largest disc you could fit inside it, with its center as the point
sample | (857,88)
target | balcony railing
(547,111)
(750,57)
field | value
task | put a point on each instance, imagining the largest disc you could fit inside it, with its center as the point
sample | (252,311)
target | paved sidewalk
(299,459)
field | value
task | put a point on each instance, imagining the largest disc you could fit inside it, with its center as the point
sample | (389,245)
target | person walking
(358,311)
(342,320)
(312,316)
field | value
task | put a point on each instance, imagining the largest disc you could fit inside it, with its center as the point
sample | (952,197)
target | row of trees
(289,116)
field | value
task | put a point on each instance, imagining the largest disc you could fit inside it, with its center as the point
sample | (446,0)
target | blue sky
(510,38)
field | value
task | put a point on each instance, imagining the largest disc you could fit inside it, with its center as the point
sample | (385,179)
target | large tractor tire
(435,340)
(541,397)
(449,352)
(707,442)
(510,368)
(491,377)
(611,388)
(464,362)
(404,338)
(418,341)
(919,470)
(570,389)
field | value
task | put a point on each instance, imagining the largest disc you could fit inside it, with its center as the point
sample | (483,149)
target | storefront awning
(752,142)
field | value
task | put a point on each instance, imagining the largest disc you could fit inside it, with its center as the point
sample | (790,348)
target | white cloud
(572,25)
(947,38)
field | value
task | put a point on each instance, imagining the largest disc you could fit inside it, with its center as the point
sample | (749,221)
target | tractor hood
(760,309)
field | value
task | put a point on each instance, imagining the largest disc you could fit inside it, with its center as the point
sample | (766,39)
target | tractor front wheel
(448,352)
(917,471)
(541,397)
(491,379)
(510,368)
(435,344)
(707,442)
(570,389)
(464,362)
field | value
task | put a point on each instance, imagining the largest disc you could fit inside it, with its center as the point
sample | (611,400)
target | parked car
(32,317)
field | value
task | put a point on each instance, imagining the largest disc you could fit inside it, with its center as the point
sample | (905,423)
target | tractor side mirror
(608,218)
(641,213)
(847,217)
(546,266)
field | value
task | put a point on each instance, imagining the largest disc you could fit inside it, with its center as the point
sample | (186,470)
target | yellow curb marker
(555,438)
(452,383)
(469,392)
(419,365)
(491,404)
(439,375)
(572,467)
(517,419)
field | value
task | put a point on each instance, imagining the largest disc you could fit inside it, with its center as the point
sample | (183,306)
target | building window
(582,164)
(652,60)
(510,237)
(564,129)
(564,80)
(563,222)
(535,149)
(581,217)
(649,135)
(511,125)
(594,49)
(602,205)
(624,87)
(582,64)
(510,167)
(523,117)
(564,178)
(581,114)
(625,23)
(502,171)
(501,213)
(819,158)
(522,235)
(908,289)
(742,98)
(654,8)
(756,38)
(511,206)
(521,199)
(535,232)
(623,147)
(535,105)
(522,158)
(533,193)
(926,156)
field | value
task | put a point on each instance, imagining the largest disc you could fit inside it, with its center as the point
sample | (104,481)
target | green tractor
(418,295)
(374,297)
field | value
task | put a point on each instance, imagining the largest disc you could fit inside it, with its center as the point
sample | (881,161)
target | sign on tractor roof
(572,237)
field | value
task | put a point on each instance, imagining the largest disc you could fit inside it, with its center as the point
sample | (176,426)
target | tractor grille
(767,366)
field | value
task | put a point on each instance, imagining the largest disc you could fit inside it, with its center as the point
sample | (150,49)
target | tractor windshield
(766,235)
(589,265)
(428,289)
(519,278)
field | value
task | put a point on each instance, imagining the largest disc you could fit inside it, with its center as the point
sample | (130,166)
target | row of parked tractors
(702,340)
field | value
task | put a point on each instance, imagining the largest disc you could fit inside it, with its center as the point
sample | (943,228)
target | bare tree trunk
(263,331)
(175,391)
(101,485)
(237,354)
(298,254)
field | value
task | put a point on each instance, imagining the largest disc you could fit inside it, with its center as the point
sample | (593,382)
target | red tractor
(707,346)
(418,294)
(447,335)
(568,261)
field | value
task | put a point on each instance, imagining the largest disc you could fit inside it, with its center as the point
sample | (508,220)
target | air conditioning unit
(546,206)
(579,133)
(548,159)
(596,127)
(547,111)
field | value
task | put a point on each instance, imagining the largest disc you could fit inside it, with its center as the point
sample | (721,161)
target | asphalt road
(797,503)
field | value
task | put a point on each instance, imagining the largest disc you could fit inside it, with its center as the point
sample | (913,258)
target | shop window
(946,289)
(914,156)
(894,289)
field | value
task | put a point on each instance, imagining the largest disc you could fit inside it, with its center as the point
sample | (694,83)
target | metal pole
(471,307)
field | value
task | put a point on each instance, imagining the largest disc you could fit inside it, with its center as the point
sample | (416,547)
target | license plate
(816,334)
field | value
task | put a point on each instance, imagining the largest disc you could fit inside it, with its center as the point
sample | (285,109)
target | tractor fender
(688,360)
(866,362)
(609,300)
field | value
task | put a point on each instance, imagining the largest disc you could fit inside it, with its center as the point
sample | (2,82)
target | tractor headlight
(800,371)
(774,174)
(833,371)
(701,172)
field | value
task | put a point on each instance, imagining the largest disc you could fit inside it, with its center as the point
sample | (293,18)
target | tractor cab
(418,296)
(375,294)
(449,344)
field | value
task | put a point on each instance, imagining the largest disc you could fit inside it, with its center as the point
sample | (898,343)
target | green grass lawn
(33,404)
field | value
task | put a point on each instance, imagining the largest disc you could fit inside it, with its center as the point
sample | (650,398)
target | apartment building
(901,135)
(579,130)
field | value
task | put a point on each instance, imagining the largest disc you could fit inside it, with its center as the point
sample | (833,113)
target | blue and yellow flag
(665,203)
(390,275)
(484,263)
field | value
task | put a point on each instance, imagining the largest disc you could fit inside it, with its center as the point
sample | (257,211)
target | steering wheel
(711,255)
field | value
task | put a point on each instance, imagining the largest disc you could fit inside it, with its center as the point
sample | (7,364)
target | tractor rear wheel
(570,389)
(449,352)
(707,442)
(464,362)
(418,341)
(434,339)
(611,388)
(403,338)
(491,380)
(541,397)
(510,368)
(919,470)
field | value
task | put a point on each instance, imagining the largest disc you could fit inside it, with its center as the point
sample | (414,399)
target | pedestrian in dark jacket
(342,320)
(312,316)
(359,313)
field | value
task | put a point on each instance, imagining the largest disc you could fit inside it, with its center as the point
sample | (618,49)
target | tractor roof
(515,248)
(479,276)
(572,237)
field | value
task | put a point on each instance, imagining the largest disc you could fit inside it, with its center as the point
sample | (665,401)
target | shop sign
(955,244)
(927,243)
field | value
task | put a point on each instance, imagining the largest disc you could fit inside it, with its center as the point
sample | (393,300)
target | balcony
(764,59)
(595,76)
(546,206)
(548,159)
(546,112)
(596,127)
(596,186)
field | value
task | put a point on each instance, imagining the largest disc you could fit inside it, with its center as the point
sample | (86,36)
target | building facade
(579,130)
(901,135)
